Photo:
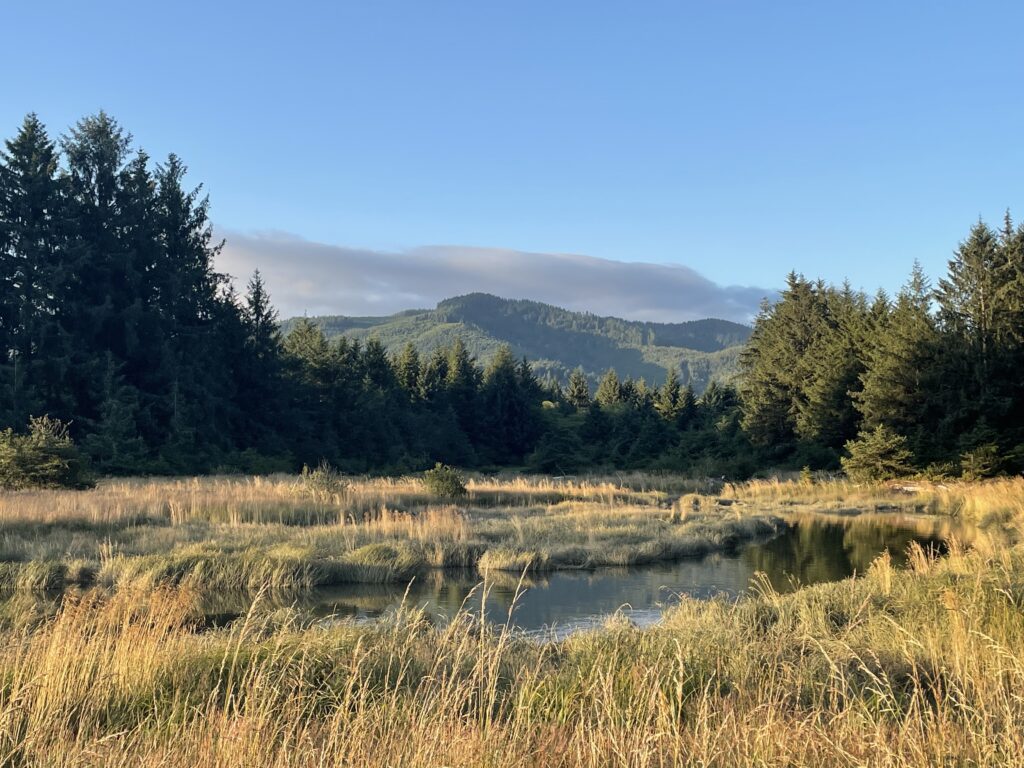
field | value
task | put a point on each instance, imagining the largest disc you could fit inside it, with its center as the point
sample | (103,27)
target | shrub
(44,458)
(980,462)
(321,483)
(444,481)
(880,454)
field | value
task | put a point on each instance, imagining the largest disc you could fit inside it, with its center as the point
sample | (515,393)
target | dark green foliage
(669,398)
(899,380)
(879,454)
(559,452)
(113,319)
(114,444)
(802,362)
(509,409)
(445,482)
(46,457)
(981,461)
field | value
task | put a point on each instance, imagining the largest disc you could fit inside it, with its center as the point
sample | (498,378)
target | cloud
(319,279)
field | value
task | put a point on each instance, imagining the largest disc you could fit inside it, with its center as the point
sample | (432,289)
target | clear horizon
(724,145)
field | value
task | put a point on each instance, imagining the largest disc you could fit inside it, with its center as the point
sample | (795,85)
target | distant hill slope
(557,340)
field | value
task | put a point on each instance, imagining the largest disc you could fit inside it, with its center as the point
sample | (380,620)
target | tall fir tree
(667,401)
(609,389)
(35,349)
(407,368)
(577,393)
(898,382)
(776,364)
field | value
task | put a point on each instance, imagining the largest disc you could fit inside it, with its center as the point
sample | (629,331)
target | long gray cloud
(319,279)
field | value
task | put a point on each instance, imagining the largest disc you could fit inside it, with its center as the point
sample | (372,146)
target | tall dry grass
(899,668)
(282,498)
(241,534)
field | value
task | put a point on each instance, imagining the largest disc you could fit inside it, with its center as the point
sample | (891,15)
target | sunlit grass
(900,668)
(242,534)
(915,667)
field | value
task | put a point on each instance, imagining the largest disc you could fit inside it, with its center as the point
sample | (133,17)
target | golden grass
(896,669)
(907,668)
(996,506)
(242,534)
(281,498)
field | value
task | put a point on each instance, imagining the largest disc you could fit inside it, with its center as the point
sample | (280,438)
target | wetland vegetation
(288,534)
(919,665)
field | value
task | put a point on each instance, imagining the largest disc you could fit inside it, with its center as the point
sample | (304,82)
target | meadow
(902,667)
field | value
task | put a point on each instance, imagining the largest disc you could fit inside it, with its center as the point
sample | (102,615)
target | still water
(810,551)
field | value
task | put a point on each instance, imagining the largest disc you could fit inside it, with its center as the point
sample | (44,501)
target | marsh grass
(900,668)
(989,508)
(294,534)
(903,667)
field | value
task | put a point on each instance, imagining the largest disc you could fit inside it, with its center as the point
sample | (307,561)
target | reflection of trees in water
(805,554)
(811,552)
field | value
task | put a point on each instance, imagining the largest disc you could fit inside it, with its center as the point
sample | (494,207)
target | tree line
(928,381)
(115,323)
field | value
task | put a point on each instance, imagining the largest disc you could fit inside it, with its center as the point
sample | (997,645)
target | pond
(811,550)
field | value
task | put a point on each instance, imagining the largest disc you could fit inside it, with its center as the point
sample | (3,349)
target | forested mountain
(557,341)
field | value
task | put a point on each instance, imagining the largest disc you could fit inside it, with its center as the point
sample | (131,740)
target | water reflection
(812,550)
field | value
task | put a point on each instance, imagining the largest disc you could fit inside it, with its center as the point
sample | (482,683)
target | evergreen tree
(260,375)
(687,412)
(897,385)
(825,414)
(668,402)
(114,444)
(508,419)
(577,394)
(434,378)
(969,315)
(609,390)
(461,388)
(34,347)
(878,454)
(407,368)
(777,366)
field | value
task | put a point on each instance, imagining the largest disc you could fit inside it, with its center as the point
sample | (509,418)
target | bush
(44,458)
(877,455)
(980,462)
(444,481)
(321,483)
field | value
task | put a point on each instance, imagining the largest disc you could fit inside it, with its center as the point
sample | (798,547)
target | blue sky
(737,139)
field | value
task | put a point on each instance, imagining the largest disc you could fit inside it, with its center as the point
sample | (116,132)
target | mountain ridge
(556,340)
